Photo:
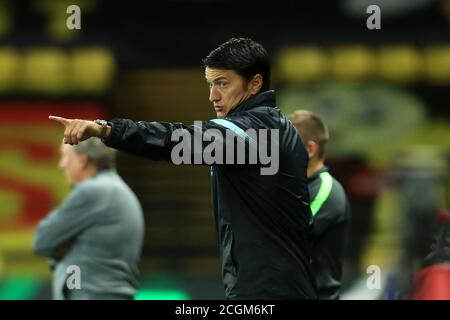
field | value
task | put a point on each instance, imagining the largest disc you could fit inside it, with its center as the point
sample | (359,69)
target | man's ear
(255,84)
(84,160)
(312,148)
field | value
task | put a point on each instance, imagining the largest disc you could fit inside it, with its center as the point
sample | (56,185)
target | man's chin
(71,184)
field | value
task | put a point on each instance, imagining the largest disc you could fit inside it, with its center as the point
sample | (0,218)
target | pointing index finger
(60,120)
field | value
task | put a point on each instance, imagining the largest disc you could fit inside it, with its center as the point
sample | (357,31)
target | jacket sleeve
(336,216)
(160,140)
(64,223)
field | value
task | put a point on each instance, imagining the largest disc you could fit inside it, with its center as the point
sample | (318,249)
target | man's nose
(61,164)
(213,95)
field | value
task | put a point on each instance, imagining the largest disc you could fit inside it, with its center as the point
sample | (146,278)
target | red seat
(432,283)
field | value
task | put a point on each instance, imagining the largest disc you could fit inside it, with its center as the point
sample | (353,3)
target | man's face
(227,89)
(73,165)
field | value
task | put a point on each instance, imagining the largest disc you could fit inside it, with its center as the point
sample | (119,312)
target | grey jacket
(103,221)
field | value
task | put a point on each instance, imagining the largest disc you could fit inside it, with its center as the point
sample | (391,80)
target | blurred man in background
(98,229)
(329,206)
(263,222)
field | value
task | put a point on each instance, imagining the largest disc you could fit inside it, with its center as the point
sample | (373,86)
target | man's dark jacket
(331,231)
(264,223)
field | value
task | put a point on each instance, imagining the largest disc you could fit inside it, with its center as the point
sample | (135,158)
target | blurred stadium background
(384,94)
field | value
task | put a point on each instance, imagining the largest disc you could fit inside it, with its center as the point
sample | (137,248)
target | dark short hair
(311,128)
(101,156)
(245,56)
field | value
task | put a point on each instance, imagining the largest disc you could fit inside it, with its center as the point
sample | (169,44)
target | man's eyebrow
(216,79)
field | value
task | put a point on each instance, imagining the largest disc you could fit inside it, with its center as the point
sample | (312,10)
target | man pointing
(263,221)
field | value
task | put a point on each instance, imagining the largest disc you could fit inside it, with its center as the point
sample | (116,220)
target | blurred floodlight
(399,63)
(437,64)
(352,63)
(92,70)
(45,71)
(302,64)
(10,63)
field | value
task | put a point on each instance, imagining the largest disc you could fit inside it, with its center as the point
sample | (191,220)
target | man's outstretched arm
(156,140)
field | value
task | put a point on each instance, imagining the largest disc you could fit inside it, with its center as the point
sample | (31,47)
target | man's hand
(77,130)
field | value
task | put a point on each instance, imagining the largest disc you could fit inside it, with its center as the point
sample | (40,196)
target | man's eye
(222,84)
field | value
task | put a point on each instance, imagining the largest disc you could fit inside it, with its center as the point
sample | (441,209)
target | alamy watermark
(73,22)
(214,147)
(374,20)
(73,281)
(373,282)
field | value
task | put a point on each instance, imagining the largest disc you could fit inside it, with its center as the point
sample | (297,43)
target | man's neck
(88,173)
(314,166)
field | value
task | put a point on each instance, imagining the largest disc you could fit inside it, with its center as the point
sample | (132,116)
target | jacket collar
(266,99)
(317,173)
